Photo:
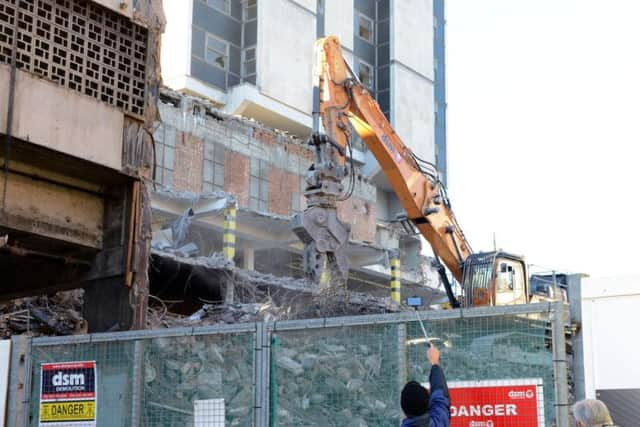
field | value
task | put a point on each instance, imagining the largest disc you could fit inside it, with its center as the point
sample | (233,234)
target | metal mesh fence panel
(186,376)
(495,353)
(114,362)
(333,372)
(336,376)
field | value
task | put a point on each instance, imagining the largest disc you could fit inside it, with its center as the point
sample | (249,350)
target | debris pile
(182,285)
(339,375)
(294,306)
(180,370)
(60,314)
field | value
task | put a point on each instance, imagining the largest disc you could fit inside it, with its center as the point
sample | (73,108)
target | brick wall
(283,186)
(288,160)
(236,176)
(188,163)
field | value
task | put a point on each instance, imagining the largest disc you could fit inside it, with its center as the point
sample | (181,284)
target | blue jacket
(439,402)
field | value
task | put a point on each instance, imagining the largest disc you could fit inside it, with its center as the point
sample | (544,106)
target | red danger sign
(499,403)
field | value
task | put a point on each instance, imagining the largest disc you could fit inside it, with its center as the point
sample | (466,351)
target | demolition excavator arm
(345,101)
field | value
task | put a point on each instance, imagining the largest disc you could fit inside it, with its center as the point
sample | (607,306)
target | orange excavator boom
(346,103)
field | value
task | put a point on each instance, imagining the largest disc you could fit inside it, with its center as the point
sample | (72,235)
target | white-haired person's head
(591,413)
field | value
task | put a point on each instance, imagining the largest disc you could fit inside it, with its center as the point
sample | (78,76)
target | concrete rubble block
(351,379)
(179,370)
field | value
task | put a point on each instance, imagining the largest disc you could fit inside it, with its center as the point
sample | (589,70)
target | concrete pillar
(229,247)
(394,256)
(249,258)
(229,236)
(574,283)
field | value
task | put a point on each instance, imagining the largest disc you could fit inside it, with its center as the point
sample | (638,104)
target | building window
(259,185)
(249,62)
(249,10)
(223,6)
(365,74)
(213,170)
(165,142)
(365,28)
(217,52)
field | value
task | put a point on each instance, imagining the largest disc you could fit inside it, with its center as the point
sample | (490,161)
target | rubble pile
(59,314)
(180,370)
(288,307)
(256,296)
(337,375)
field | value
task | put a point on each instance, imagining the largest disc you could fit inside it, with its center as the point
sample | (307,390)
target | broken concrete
(60,314)
(196,289)
(73,186)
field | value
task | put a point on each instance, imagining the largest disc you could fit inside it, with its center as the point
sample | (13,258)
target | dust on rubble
(58,314)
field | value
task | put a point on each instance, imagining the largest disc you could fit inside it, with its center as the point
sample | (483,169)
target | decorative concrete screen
(79,45)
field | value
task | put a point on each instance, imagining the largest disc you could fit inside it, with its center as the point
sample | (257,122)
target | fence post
(560,365)
(19,381)
(259,376)
(402,355)
(273,382)
(137,387)
(266,372)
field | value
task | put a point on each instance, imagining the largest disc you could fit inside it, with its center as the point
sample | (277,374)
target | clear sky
(544,129)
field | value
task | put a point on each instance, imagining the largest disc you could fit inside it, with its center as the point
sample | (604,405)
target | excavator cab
(494,278)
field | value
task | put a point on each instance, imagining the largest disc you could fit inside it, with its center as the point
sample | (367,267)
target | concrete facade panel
(384,30)
(339,21)
(368,7)
(236,10)
(383,55)
(413,116)
(208,73)
(198,42)
(310,5)
(53,211)
(217,23)
(365,50)
(412,35)
(286,35)
(51,116)
(250,33)
(360,214)
(234,60)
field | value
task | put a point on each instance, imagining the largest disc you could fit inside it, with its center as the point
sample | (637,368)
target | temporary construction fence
(332,371)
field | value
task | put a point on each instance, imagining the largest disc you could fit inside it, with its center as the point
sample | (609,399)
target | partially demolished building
(219,176)
(116,186)
(78,92)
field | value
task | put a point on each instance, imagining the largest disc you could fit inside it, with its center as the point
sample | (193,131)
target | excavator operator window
(505,279)
(510,282)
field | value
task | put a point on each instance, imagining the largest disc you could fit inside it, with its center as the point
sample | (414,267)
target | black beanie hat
(414,399)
